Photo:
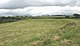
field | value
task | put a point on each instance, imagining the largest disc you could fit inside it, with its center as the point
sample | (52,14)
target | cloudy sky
(39,7)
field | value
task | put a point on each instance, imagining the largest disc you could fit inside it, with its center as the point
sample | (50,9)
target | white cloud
(45,10)
(53,10)
(39,7)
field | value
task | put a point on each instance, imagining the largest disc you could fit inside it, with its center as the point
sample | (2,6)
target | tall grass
(41,32)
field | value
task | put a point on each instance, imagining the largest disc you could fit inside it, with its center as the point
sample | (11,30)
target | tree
(76,15)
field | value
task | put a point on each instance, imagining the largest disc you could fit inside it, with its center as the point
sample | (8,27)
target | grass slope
(41,32)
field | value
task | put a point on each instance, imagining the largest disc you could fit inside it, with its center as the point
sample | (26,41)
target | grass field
(41,32)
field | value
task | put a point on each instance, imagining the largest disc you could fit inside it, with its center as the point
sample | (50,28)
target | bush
(66,16)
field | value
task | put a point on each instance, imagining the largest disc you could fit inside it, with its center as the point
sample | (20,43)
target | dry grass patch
(66,42)
(55,37)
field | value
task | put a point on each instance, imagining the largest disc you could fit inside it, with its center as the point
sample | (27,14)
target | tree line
(17,18)
(9,19)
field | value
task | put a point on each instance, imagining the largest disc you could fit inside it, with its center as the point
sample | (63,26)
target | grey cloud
(13,4)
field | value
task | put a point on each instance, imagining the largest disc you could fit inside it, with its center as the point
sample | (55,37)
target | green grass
(41,32)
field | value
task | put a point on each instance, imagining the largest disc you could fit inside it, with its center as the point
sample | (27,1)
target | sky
(39,7)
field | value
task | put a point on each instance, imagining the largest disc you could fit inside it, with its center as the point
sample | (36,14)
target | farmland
(41,32)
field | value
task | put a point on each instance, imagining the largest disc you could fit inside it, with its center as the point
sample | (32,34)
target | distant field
(41,32)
